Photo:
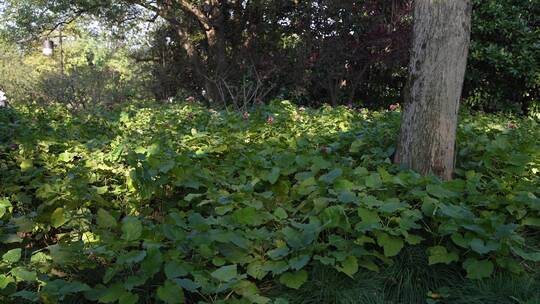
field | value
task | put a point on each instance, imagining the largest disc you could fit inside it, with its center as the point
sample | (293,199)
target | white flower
(3,99)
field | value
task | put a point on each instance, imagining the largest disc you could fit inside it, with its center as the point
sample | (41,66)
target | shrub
(180,203)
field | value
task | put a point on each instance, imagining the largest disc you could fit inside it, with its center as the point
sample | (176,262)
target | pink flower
(270,119)
(245,115)
(394,107)
(511,125)
(301,109)
(190,99)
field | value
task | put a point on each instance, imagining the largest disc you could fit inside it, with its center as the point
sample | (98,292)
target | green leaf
(478,269)
(529,256)
(374,181)
(347,197)
(331,176)
(5,205)
(368,264)
(73,287)
(299,262)
(249,291)
(57,218)
(294,280)
(5,281)
(134,256)
(247,216)
(12,256)
(187,284)
(171,293)
(334,217)
(175,269)
(356,145)
(112,293)
(391,245)
(278,253)
(369,217)
(105,219)
(131,228)
(128,298)
(256,270)
(439,254)
(27,295)
(225,273)
(273,176)
(26,165)
(439,192)
(349,266)
(482,247)
(280,213)
(531,221)
(22,274)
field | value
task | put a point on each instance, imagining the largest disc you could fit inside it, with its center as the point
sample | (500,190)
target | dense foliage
(504,63)
(184,204)
(234,53)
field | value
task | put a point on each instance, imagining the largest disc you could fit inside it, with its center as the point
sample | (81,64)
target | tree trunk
(439,52)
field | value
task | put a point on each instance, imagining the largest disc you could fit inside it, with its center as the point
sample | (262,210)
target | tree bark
(441,37)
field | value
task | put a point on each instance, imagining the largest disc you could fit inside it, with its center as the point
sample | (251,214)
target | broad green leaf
(334,217)
(5,281)
(347,197)
(374,181)
(256,270)
(134,256)
(368,264)
(175,269)
(478,269)
(12,256)
(280,213)
(439,192)
(131,228)
(369,216)
(273,176)
(278,253)
(247,216)
(392,245)
(5,205)
(225,273)
(349,266)
(26,165)
(128,298)
(331,176)
(27,295)
(482,247)
(105,219)
(171,293)
(112,293)
(531,221)
(530,256)
(22,274)
(299,262)
(57,218)
(73,287)
(439,254)
(187,284)
(294,280)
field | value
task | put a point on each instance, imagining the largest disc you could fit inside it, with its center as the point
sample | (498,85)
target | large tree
(441,36)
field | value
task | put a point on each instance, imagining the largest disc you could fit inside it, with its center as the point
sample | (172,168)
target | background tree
(437,68)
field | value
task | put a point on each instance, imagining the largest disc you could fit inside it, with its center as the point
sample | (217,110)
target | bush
(180,203)
(504,64)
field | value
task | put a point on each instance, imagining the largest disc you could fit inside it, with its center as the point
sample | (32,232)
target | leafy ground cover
(179,203)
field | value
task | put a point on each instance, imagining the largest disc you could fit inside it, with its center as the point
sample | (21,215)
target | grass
(409,280)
